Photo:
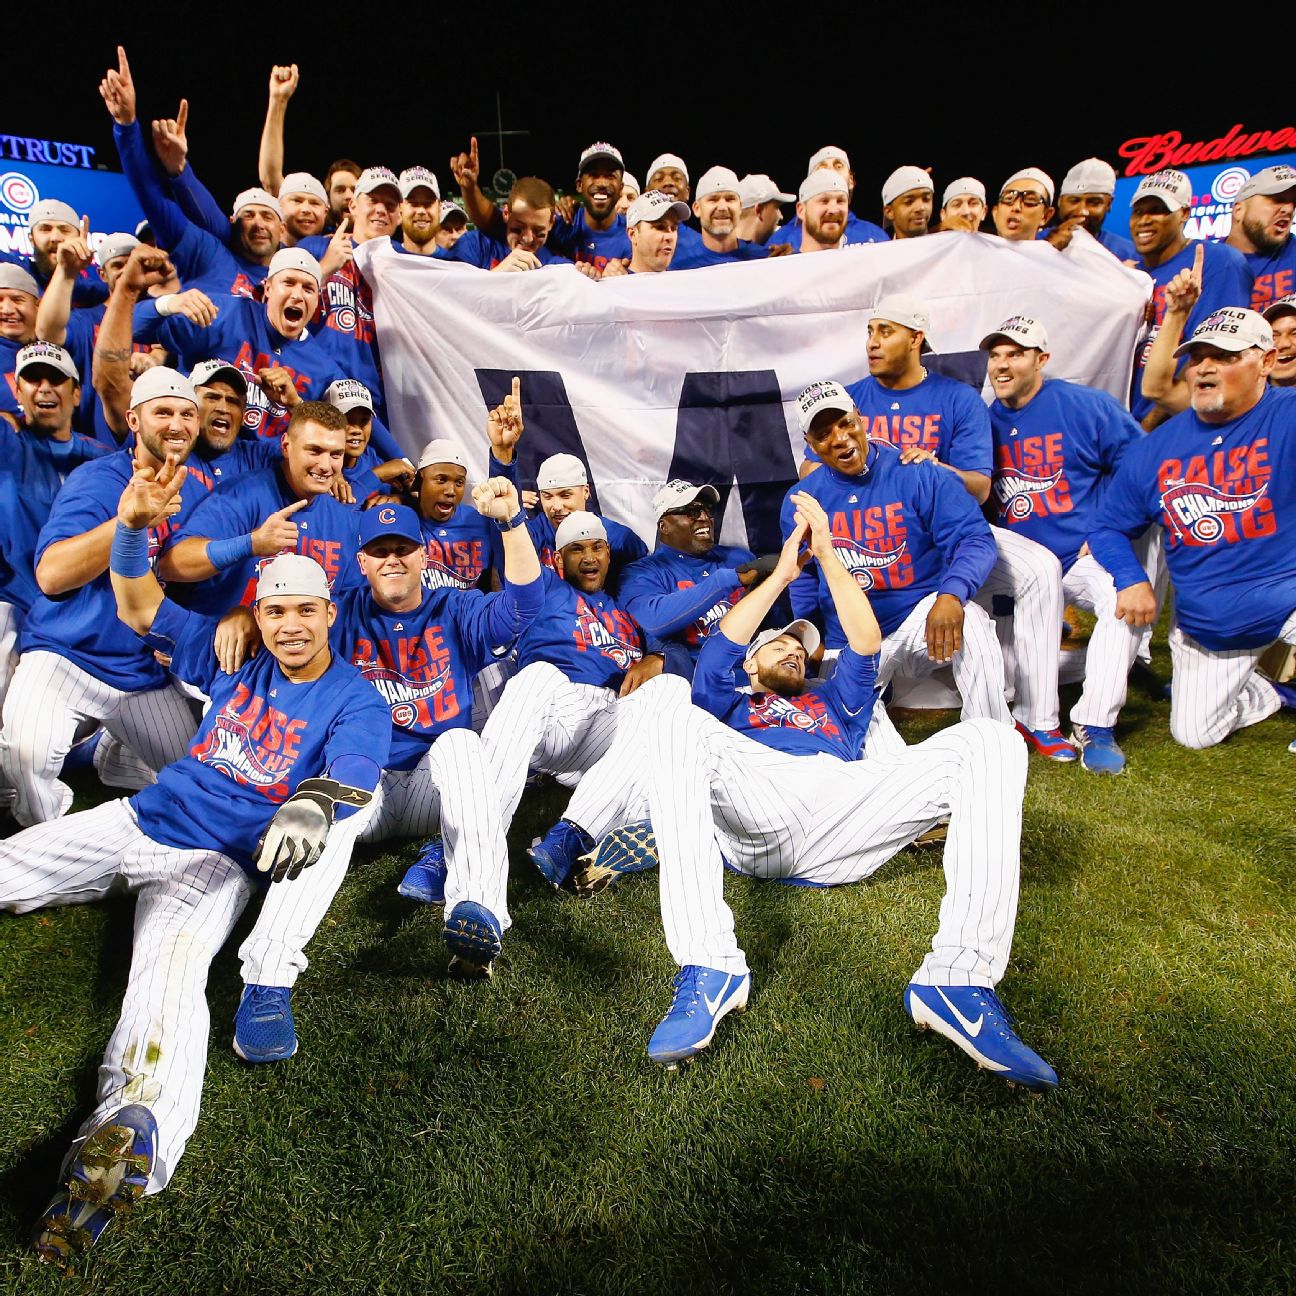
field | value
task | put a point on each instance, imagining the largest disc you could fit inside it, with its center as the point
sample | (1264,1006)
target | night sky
(982,104)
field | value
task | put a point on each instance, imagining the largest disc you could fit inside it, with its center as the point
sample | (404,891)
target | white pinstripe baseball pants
(1112,647)
(186,905)
(710,790)
(1212,693)
(50,699)
(978,665)
(543,721)
(451,786)
(1031,576)
(11,623)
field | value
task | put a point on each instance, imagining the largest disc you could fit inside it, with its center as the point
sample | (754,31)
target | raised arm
(740,624)
(854,611)
(148,494)
(283,85)
(1160,383)
(466,167)
(55,308)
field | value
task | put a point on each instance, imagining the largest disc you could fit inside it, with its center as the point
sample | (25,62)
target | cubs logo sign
(1195,509)
(1016,491)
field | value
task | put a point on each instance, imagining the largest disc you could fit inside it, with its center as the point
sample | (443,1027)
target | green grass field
(513,1137)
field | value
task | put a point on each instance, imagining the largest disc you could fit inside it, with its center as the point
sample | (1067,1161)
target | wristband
(166,304)
(129,555)
(223,554)
(518,519)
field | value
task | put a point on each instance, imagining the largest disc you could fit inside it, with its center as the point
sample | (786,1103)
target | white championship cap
(579,526)
(667,160)
(963,187)
(208,371)
(803,631)
(50,209)
(1093,175)
(417,177)
(115,245)
(255,198)
(717,179)
(630,184)
(16,279)
(295,259)
(346,394)
(380,177)
(293,575)
(827,394)
(822,182)
(442,450)
(1021,329)
(1031,173)
(1173,188)
(1231,329)
(829,153)
(902,180)
(561,470)
(1283,306)
(302,182)
(451,210)
(654,206)
(161,381)
(904,309)
(46,353)
(1273,180)
(601,151)
(759,188)
(680,494)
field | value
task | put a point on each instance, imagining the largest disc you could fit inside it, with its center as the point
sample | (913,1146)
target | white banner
(648,377)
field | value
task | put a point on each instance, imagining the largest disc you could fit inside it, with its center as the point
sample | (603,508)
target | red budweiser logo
(1150,153)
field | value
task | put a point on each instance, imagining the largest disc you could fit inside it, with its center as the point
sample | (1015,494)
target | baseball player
(49,223)
(419,649)
(80,665)
(1024,206)
(1085,197)
(33,466)
(717,203)
(834,159)
(1261,231)
(596,232)
(963,205)
(914,539)
(462,546)
(1057,445)
(1282,318)
(293,741)
(767,777)
(1220,479)
(19,297)
(363,467)
(288,506)
(907,196)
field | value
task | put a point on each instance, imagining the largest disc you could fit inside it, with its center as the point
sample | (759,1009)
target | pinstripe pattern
(1112,646)
(11,619)
(487,688)
(119,767)
(978,665)
(50,700)
(1031,576)
(187,902)
(544,721)
(1214,693)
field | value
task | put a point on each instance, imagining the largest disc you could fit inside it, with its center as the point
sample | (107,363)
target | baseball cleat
(629,849)
(107,1175)
(425,879)
(556,853)
(1286,694)
(263,1025)
(702,997)
(1291,746)
(1048,742)
(473,936)
(1099,752)
(979,1024)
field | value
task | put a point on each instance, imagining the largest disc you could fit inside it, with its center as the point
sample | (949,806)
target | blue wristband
(223,554)
(129,555)
(518,519)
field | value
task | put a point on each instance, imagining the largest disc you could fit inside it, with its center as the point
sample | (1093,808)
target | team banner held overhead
(650,377)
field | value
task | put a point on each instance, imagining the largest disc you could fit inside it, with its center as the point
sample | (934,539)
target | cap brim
(1219,342)
(228,374)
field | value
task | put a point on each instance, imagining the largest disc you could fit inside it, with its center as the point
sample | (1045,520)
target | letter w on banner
(693,374)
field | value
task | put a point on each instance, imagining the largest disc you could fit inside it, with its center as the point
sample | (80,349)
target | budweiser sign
(1149,153)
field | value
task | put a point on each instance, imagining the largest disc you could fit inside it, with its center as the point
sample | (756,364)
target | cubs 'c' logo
(1016,491)
(1195,509)
(387,516)
(862,562)
(400,694)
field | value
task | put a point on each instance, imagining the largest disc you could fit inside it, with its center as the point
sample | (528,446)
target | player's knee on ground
(1192,730)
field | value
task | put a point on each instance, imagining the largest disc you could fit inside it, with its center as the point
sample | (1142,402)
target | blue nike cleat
(1048,742)
(425,879)
(473,936)
(263,1025)
(979,1024)
(107,1176)
(556,853)
(631,848)
(702,997)
(1286,694)
(1099,752)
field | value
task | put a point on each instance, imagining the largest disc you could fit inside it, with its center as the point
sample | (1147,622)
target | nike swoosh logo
(713,1004)
(972,1028)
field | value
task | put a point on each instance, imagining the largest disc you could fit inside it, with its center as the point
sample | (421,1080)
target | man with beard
(81,666)
(832,158)
(1085,198)
(774,779)
(963,205)
(420,211)
(822,211)
(1262,232)
(596,233)
(718,206)
(907,198)
(49,224)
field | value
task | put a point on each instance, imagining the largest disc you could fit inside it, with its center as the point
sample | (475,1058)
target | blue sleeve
(363,483)
(667,614)
(189,640)
(353,770)
(198,205)
(359,740)
(179,335)
(1227,282)
(1123,515)
(961,533)
(381,440)
(971,441)
(217,516)
(75,511)
(512,610)
(803,593)
(853,682)
(508,470)
(679,661)
(713,676)
(1116,431)
(562,237)
(169,223)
